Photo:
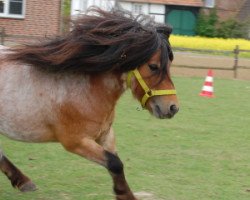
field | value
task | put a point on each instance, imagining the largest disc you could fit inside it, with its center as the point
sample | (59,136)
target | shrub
(209,26)
(204,43)
(231,28)
(206,24)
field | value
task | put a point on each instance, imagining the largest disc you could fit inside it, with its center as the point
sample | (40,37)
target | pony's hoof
(28,187)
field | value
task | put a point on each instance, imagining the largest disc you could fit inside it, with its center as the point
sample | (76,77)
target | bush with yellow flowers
(202,43)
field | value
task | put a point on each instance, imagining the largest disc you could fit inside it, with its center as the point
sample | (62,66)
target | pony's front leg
(121,188)
(17,178)
(115,167)
(91,150)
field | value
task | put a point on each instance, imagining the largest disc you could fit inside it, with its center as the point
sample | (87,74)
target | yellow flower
(209,43)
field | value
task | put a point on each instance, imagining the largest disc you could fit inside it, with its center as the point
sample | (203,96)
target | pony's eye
(153,67)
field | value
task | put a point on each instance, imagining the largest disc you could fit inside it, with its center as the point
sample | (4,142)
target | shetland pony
(65,89)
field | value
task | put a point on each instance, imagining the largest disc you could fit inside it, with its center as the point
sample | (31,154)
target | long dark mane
(100,41)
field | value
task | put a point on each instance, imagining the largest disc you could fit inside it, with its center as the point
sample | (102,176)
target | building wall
(228,8)
(155,10)
(80,6)
(244,13)
(42,18)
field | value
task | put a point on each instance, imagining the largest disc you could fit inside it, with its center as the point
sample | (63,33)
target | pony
(65,89)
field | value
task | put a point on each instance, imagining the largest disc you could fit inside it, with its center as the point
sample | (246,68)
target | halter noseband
(148,92)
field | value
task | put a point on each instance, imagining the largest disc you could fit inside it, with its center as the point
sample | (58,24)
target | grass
(201,154)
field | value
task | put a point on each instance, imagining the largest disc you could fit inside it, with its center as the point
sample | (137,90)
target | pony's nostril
(173,109)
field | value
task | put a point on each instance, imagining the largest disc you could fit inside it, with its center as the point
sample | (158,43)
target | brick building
(244,13)
(26,19)
(181,14)
(227,8)
(237,9)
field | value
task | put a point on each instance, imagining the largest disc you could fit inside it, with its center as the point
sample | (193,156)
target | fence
(235,52)
(236,66)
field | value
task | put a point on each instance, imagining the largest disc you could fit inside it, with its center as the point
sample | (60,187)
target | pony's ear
(165,30)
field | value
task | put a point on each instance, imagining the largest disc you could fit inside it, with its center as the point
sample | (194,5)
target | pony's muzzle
(166,113)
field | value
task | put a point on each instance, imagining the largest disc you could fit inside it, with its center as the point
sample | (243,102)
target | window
(83,5)
(209,3)
(1,6)
(78,6)
(12,8)
(137,9)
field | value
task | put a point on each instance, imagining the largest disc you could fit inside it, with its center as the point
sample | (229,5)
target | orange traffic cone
(207,89)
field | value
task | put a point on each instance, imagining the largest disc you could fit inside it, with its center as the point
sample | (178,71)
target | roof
(194,3)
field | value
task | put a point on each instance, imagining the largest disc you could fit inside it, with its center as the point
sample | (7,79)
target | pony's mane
(100,41)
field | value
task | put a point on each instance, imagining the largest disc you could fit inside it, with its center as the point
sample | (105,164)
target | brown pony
(66,89)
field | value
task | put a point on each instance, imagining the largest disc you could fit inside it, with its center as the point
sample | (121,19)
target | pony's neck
(109,85)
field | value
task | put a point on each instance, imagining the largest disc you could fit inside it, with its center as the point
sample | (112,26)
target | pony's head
(152,86)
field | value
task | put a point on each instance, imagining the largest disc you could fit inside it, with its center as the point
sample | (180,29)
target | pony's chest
(86,120)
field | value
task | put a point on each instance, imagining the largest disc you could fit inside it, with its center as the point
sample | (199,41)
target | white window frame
(83,5)
(137,8)
(6,14)
(209,3)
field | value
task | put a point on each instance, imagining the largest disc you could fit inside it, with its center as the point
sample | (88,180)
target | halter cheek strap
(148,92)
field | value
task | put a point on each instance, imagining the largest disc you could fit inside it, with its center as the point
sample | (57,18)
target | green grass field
(203,153)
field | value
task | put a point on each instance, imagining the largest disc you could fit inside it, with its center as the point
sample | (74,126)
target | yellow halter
(148,92)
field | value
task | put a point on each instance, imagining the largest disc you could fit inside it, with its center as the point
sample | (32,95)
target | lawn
(200,154)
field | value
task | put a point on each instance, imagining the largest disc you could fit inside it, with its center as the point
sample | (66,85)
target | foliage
(202,153)
(203,43)
(208,43)
(66,15)
(231,28)
(66,8)
(206,24)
